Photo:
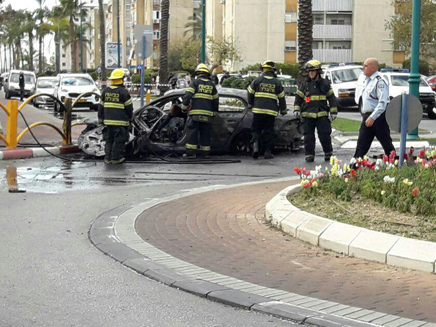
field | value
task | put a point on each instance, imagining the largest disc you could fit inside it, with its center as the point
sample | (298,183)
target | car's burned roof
(221,91)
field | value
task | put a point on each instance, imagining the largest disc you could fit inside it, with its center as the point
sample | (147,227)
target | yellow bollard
(148,97)
(12,122)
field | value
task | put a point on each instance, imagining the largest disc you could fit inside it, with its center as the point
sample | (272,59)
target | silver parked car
(44,85)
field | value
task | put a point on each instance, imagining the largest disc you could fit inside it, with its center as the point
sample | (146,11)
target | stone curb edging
(347,239)
(25,153)
(114,233)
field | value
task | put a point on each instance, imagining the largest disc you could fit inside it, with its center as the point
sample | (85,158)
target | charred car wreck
(231,128)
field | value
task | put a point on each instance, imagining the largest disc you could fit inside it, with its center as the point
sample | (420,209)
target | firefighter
(115,111)
(201,101)
(311,104)
(267,99)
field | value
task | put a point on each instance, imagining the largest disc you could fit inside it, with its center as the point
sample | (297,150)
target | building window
(338,22)
(156,14)
(156,35)
(318,20)
(63,55)
(64,64)
(290,45)
(291,17)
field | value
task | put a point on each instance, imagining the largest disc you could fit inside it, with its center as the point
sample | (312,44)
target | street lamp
(415,77)
(203,32)
(81,37)
(118,33)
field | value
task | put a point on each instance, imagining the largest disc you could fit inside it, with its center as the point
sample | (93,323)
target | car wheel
(431,111)
(241,144)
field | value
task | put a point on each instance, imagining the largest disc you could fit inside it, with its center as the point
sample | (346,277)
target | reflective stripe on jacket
(202,96)
(266,95)
(115,107)
(311,99)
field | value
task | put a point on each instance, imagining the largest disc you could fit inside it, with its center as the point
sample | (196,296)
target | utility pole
(415,77)
(203,32)
(81,37)
(118,32)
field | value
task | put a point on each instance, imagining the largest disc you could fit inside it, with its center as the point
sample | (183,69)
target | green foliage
(136,79)
(238,83)
(223,50)
(400,26)
(423,66)
(286,69)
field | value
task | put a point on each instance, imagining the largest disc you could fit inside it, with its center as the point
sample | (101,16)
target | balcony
(329,5)
(332,32)
(332,55)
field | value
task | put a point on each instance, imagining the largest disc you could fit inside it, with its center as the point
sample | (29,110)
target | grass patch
(346,125)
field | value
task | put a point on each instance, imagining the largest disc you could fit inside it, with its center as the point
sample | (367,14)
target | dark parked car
(230,128)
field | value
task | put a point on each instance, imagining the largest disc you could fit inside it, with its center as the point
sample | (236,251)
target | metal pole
(143,70)
(118,33)
(414,78)
(81,39)
(403,128)
(203,33)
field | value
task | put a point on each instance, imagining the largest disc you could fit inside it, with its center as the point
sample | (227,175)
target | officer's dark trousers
(198,133)
(262,130)
(324,128)
(380,129)
(116,138)
(21,93)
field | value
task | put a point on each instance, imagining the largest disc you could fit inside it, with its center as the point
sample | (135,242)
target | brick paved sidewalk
(224,231)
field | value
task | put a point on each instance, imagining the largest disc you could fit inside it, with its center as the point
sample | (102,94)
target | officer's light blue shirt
(375,95)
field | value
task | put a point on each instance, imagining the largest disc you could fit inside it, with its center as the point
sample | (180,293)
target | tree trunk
(41,48)
(163,60)
(305,39)
(31,67)
(73,46)
(102,40)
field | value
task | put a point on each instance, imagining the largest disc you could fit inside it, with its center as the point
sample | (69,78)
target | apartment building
(343,30)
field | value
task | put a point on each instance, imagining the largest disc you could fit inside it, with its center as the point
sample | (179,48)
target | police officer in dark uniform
(266,96)
(375,98)
(21,84)
(201,101)
(311,104)
(115,111)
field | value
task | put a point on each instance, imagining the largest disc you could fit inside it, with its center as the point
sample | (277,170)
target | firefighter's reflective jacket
(311,99)
(263,94)
(115,107)
(204,97)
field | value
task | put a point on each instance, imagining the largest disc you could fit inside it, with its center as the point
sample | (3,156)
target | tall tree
(73,10)
(40,16)
(193,27)
(163,60)
(59,25)
(305,38)
(102,40)
(400,26)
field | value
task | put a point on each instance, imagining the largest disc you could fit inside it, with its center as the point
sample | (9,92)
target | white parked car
(398,84)
(45,85)
(12,86)
(344,80)
(73,85)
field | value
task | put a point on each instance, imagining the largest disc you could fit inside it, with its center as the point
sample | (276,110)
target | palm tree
(59,25)
(102,40)
(193,27)
(28,28)
(163,60)
(41,32)
(73,11)
(305,26)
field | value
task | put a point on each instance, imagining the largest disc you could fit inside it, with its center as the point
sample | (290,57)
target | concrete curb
(114,233)
(25,153)
(348,239)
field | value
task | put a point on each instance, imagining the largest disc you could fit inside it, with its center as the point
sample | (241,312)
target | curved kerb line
(114,230)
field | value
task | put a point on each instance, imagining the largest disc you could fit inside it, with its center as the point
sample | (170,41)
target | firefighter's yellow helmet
(313,65)
(268,65)
(117,74)
(202,68)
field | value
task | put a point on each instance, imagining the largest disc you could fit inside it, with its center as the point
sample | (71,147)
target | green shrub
(423,66)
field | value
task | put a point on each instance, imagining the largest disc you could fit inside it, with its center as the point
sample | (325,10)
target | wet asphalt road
(51,274)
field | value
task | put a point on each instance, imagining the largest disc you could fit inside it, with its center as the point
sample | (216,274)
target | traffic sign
(112,54)
(393,113)
(138,32)
(139,66)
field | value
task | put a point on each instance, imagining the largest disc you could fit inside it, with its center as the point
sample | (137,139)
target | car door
(231,111)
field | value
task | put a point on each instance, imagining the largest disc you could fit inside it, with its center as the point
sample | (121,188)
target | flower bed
(409,192)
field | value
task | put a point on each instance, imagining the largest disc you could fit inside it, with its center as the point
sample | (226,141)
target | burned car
(231,128)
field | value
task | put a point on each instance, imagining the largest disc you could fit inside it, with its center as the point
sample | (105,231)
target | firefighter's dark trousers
(198,134)
(116,138)
(324,128)
(262,130)
(380,130)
